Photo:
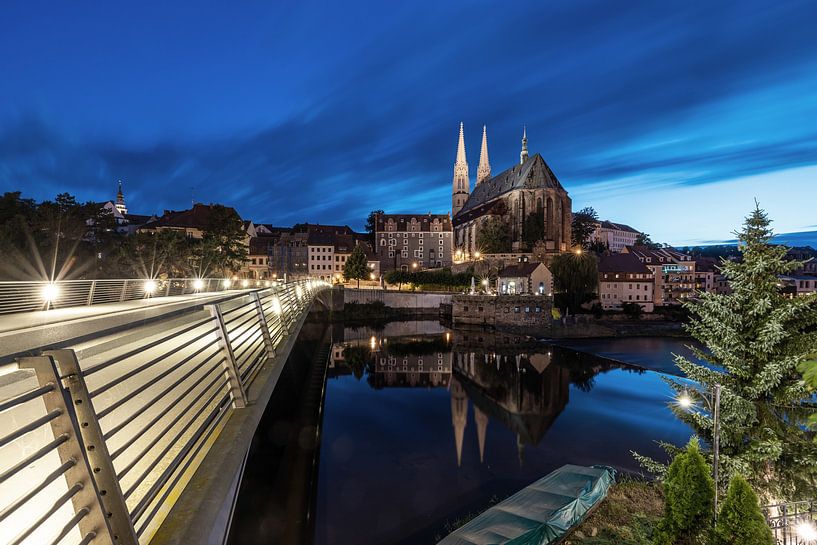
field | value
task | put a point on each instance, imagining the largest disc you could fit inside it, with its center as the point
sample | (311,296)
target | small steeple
(523,155)
(120,200)
(461,146)
(484,168)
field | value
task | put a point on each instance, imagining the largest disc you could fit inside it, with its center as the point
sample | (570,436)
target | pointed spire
(482,424)
(461,146)
(459,415)
(461,185)
(484,168)
(523,155)
(120,200)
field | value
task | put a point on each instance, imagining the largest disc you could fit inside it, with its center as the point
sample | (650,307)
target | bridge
(127,407)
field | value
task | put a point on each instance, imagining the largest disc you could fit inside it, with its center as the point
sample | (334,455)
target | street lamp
(150,287)
(198,284)
(806,531)
(50,293)
(714,405)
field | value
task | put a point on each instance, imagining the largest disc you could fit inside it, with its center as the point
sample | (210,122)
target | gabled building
(624,278)
(413,241)
(673,271)
(192,222)
(528,189)
(531,278)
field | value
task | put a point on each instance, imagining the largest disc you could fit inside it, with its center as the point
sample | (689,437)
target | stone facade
(614,236)
(523,311)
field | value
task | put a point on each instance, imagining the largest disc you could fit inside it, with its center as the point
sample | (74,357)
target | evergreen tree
(356,265)
(755,339)
(689,494)
(740,521)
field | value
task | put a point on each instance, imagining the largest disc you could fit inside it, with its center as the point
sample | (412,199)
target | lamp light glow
(685,401)
(226,282)
(198,284)
(50,292)
(150,287)
(807,531)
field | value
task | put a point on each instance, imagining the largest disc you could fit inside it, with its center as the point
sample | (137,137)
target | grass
(626,517)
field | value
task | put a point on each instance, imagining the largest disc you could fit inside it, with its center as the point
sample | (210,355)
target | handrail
(96,449)
(29,296)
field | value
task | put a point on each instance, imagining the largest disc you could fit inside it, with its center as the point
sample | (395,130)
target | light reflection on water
(422,425)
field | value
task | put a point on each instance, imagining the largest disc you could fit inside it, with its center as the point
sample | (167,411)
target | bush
(690,495)
(740,521)
(633,310)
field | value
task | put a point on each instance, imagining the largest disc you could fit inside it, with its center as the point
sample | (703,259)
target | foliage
(371,223)
(539,251)
(689,498)
(583,225)
(576,276)
(633,310)
(533,229)
(493,236)
(756,339)
(740,521)
(356,265)
(223,246)
(357,358)
(643,239)
(439,277)
(597,247)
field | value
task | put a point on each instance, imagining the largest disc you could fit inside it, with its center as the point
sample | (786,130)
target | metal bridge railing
(32,296)
(100,438)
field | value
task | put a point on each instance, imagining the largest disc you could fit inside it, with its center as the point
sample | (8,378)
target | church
(525,197)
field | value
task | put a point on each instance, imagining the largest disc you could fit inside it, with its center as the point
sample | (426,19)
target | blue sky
(672,116)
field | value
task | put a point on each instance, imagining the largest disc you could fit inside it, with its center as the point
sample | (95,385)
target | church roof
(532,174)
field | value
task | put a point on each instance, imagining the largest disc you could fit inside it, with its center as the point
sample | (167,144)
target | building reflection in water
(508,379)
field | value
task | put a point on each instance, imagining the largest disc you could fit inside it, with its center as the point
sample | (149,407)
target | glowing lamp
(150,287)
(245,283)
(50,292)
(685,401)
(807,531)
(226,282)
(198,284)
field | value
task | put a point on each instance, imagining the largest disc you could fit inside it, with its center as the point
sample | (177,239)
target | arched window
(539,205)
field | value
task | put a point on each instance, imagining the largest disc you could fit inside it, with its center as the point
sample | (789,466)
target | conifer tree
(689,494)
(740,521)
(755,337)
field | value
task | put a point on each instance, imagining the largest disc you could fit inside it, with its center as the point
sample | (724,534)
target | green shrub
(740,521)
(689,493)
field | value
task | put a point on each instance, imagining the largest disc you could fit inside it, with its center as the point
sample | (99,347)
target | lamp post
(714,406)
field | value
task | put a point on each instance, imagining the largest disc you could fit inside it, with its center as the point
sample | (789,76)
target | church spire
(484,168)
(120,200)
(461,186)
(523,155)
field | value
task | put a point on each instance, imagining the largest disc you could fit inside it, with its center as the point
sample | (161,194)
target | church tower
(523,155)
(120,200)
(484,168)
(461,186)
(459,415)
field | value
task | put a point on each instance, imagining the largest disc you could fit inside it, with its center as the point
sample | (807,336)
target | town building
(413,241)
(521,197)
(525,278)
(673,271)
(329,251)
(797,285)
(614,236)
(192,222)
(624,278)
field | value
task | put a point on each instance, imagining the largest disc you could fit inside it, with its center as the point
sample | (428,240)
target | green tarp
(540,513)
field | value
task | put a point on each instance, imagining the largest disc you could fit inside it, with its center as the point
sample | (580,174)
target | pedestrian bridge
(127,407)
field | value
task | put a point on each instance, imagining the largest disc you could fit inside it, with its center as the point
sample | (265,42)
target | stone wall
(526,312)
(397,299)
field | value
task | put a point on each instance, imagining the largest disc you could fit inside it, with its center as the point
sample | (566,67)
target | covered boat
(540,513)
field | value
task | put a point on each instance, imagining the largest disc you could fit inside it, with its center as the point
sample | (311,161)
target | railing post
(264,325)
(122,294)
(91,291)
(167,290)
(230,365)
(102,472)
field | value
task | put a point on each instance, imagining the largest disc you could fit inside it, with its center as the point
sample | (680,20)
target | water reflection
(424,424)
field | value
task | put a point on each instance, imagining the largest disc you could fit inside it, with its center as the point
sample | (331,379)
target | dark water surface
(422,425)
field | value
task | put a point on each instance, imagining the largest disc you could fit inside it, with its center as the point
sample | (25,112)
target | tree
(575,275)
(356,265)
(533,230)
(633,310)
(643,239)
(223,245)
(740,521)
(755,339)
(539,251)
(689,495)
(371,223)
(583,225)
(493,236)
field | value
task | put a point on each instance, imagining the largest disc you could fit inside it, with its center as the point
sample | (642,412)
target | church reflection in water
(521,383)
